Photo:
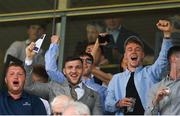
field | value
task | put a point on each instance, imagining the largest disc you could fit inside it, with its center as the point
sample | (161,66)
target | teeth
(73,75)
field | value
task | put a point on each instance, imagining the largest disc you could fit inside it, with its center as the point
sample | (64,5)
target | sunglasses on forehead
(88,60)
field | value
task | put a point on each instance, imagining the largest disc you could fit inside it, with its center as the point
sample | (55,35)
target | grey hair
(80,108)
(59,99)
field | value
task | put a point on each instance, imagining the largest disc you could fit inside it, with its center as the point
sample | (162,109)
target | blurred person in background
(114,26)
(17,48)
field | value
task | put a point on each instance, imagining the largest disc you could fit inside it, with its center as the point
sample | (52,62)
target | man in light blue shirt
(123,86)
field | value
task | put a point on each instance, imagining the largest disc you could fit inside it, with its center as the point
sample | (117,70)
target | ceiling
(14,6)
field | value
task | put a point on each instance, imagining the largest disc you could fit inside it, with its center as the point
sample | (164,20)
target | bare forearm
(105,77)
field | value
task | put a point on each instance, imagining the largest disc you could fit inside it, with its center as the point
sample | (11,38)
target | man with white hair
(77,108)
(59,103)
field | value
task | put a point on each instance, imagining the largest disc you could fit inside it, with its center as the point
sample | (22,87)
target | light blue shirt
(56,75)
(144,78)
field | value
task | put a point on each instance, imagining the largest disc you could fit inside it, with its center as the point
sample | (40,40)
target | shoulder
(118,76)
(17,44)
(31,96)
(89,90)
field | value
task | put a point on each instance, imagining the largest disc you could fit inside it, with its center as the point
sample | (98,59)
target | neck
(15,95)
(131,69)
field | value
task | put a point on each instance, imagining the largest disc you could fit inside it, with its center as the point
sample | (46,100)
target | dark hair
(15,65)
(40,71)
(39,24)
(93,43)
(173,50)
(72,58)
(87,54)
(133,39)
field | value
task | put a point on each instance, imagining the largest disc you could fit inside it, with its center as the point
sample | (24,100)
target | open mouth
(74,75)
(134,58)
(15,83)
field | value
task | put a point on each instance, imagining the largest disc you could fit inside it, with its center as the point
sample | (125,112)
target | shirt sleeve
(51,64)
(13,50)
(110,102)
(160,66)
(152,109)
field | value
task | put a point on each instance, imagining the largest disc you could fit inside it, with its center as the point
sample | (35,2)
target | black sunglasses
(88,60)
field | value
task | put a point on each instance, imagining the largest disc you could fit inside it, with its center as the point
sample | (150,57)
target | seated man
(77,108)
(17,48)
(163,98)
(59,104)
(15,101)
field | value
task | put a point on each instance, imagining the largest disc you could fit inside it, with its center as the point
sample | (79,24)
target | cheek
(80,71)
(22,80)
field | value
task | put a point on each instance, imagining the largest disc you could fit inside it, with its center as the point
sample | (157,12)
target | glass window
(143,23)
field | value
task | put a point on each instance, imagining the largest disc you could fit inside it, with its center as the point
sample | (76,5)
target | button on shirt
(26,105)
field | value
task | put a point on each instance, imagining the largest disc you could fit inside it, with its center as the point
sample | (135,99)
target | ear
(5,80)
(125,57)
(143,54)
(173,59)
(64,71)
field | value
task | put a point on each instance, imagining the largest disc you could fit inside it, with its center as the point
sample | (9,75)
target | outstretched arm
(161,64)
(39,89)
(51,60)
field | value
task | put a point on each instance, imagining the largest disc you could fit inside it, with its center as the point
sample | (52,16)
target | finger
(126,103)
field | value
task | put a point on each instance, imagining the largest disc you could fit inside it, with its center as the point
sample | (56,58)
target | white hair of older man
(77,108)
(61,101)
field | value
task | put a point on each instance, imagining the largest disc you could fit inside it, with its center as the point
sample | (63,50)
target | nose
(73,69)
(16,76)
(134,50)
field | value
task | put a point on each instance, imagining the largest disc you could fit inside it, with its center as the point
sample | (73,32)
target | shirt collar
(27,42)
(23,95)
(80,85)
(139,68)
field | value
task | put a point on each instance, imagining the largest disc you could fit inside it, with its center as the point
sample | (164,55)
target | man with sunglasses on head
(88,77)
